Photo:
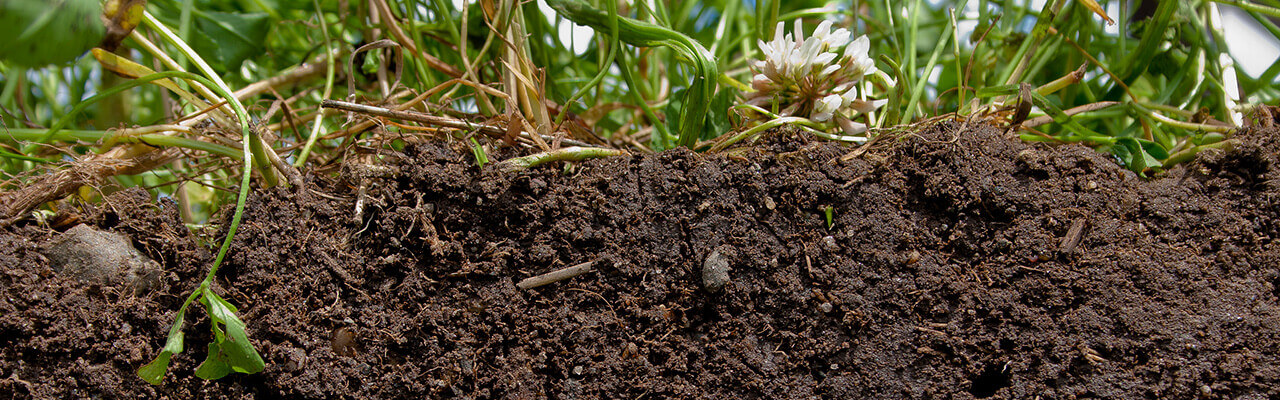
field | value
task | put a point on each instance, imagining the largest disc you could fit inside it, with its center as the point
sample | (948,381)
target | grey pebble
(715,272)
(102,258)
(829,243)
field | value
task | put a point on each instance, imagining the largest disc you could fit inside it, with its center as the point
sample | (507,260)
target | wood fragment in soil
(556,276)
(1074,234)
(1091,355)
(932,331)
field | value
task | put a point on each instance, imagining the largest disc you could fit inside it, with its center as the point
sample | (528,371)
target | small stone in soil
(344,342)
(102,258)
(297,359)
(829,243)
(715,272)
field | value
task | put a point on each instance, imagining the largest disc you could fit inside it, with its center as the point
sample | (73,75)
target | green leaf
(1152,36)
(1139,154)
(214,365)
(1123,153)
(230,38)
(370,64)
(39,33)
(174,343)
(232,346)
(1002,90)
(1153,149)
(718,119)
(673,109)
(478,152)
(154,372)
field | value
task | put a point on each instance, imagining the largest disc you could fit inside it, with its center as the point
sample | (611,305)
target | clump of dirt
(959,263)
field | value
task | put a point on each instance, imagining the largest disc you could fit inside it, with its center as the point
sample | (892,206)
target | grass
(655,75)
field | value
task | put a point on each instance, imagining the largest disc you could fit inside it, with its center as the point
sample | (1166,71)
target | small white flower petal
(832,101)
(850,95)
(864,106)
(762,83)
(823,30)
(868,66)
(888,80)
(794,62)
(824,58)
(809,50)
(851,128)
(789,110)
(826,107)
(859,47)
(838,39)
(780,53)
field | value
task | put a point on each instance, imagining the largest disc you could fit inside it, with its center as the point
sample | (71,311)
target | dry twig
(556,276)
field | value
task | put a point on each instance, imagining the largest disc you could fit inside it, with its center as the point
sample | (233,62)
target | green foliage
(1139,154)
(1166,74)
(154,371)
(229,352)
(702,87)
(230,37)
(478,152)
(39,33)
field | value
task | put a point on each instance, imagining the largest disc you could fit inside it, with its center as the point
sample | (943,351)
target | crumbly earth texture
(959,264)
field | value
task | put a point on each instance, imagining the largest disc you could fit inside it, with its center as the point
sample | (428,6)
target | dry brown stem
(16,204)
(556,276)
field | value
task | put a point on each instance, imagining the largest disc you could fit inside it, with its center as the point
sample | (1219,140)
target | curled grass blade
(643,34)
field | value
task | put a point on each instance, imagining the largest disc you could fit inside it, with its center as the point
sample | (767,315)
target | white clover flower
(817,77)
(827,107)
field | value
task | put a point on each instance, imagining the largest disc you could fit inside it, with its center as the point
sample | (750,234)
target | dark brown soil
(961,264)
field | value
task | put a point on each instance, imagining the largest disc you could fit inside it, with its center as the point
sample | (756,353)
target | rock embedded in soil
(344,342)
(102,258)
(715,272)
(829,243)
(296,359)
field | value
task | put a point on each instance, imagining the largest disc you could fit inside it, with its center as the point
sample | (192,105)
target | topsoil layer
(959,264)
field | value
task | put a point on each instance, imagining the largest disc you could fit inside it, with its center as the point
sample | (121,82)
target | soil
(959,264)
